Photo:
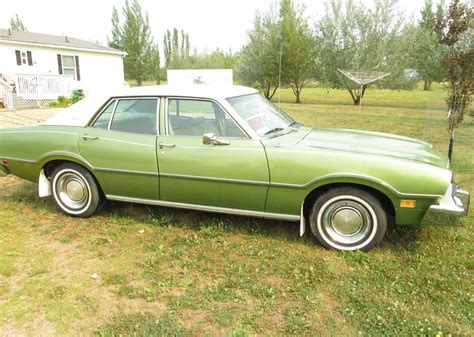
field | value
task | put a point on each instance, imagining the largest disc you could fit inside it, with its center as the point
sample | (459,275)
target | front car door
(121,146)
(233,174)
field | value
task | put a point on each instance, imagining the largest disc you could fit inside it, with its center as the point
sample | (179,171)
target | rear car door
(121,146)
(233,174)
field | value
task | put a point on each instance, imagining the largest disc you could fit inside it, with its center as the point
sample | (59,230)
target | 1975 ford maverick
(227,149)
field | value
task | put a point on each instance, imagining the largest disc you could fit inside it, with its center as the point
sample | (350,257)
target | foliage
(297,47)
(352,36)
(134,37)
(176,49)
(62,101)
(77,95)
(427,52)
(280,50)
(456,32)
(17,24)
(259,63)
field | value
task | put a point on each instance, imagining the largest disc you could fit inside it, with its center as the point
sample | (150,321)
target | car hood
(372,143)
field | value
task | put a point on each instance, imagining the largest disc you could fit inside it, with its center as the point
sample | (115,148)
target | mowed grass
(143,271)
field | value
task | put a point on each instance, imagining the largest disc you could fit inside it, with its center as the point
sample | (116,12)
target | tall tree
(456,32)
(259,63)
(177,48)
(17,24)
(134,37)
(427,51)
(297,47)
(352,36)
(116,38)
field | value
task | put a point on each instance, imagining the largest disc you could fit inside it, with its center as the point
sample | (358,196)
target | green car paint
(271,175)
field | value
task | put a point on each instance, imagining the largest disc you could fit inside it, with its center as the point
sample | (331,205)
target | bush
(62,101)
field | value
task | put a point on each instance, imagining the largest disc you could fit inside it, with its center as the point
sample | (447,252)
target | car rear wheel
(347,218)
(75,190)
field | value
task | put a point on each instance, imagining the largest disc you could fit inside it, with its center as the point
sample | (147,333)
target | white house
(39,67)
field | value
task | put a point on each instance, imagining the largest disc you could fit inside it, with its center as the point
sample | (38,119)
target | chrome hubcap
(72,191)
(346,222)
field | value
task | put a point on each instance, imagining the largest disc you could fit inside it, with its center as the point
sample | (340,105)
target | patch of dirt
(19,118)
(38,326)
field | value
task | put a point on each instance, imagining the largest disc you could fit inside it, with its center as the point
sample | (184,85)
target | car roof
(79,114)
(192,90)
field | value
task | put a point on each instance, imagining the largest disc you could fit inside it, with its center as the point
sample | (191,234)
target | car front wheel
(348,218)
(75,190)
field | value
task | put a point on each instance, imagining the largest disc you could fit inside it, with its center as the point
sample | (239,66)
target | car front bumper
(452,206)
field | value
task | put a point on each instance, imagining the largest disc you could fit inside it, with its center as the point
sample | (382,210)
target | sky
(211,24)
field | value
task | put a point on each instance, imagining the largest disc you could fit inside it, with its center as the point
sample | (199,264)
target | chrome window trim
(189,98)
(129,98)
(224,210)
(112,114)
(119,98)
(101,111)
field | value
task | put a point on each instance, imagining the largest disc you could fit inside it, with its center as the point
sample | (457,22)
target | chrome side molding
(212,209)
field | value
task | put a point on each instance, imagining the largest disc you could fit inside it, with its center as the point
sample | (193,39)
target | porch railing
(6,94)
(43,87)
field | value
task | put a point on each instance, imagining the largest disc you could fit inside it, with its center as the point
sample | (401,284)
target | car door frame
(165,133)
(107,176)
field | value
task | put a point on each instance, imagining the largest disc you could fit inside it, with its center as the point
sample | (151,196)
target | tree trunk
(357,95)
(139,82)
(427,84)
(451,144)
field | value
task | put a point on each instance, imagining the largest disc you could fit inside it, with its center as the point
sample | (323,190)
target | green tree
(116,38)
(176,47)
(427,51)
(297,47)
(17,24)
(259,63)
(352,36)
(456,32)
(134,37)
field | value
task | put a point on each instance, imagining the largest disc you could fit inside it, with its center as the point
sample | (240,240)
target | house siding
(98,71)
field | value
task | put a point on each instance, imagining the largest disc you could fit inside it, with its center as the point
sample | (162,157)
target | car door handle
(86,137)
(162,145)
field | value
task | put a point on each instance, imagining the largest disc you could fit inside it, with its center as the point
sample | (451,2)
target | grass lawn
(151,270)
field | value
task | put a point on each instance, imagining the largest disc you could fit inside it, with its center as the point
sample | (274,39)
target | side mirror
(211,138)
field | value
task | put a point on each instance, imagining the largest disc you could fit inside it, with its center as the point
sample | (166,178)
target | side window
(135,116)
(188,117)
(103,121)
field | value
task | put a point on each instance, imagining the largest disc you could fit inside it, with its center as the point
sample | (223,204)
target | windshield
(260,114)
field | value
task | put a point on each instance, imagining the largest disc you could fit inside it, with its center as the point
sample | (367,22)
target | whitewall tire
(75,190)
(347,218)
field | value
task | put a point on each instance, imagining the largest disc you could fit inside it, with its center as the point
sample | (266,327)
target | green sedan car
(227,149)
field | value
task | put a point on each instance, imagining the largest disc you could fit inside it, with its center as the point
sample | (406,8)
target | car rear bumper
(452,206)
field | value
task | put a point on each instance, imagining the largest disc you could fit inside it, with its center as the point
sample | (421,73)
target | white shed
(200,76)
(40,67)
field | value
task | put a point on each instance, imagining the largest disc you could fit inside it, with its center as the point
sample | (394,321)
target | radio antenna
(279,76)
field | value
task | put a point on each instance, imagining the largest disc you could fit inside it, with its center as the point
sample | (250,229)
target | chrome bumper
(452,206)
(3,171)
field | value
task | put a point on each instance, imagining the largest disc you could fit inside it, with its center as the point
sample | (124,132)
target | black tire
(348,218)
(75,190)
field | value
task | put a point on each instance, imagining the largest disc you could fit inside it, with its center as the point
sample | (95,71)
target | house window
(24,57)
(69,65)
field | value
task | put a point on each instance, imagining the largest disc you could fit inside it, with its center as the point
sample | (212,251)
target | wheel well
(50,166)
(311,197)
